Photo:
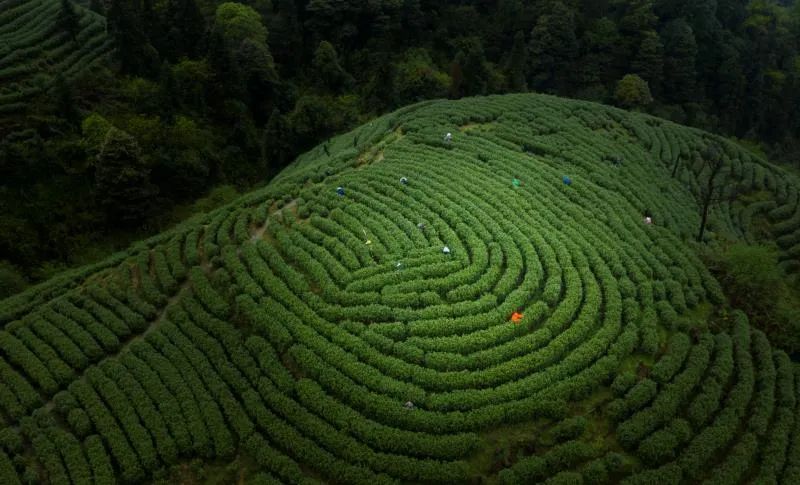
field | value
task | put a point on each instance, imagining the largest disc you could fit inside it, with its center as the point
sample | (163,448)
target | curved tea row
(32,43)
(332,337)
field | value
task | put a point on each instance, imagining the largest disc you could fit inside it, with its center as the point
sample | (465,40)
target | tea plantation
(324,335)
(35,48)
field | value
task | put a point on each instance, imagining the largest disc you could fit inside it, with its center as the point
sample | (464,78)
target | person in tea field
(448,137)
(648,217)
(404,180)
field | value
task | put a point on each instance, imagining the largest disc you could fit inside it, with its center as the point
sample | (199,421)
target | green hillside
(35,47)
(301,336)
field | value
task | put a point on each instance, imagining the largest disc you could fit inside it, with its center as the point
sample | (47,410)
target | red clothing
(516,317)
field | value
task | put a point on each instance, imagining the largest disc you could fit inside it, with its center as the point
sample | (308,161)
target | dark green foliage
(553,47)
(517,66)
(68,19)
(269,331)
(102,470)
(187,29)
(10,440)
(475,73)
(11,280)
(198,88)
(121,176)
(136,54)
(79,422)
(680,53)
(649,61)
(677,350)
(327,69)
(754,282)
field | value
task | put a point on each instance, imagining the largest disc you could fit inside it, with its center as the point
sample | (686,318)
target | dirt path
(259,231)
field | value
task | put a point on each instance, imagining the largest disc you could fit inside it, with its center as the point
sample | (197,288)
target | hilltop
(307,334)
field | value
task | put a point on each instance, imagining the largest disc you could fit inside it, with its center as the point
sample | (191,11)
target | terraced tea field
(331,338)
(34,49)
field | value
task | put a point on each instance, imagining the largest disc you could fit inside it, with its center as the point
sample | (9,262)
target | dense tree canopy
(218,92)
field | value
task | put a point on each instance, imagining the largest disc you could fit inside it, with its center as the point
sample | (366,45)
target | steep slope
(330,338)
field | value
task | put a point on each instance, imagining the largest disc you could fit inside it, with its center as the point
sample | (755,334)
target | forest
(195,101)
(367,242)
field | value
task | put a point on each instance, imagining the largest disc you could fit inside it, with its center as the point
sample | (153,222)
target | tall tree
(731,13)
(518,64)
(668,10)
(380,92)
(633,92)
(241,58)
(730,85)
(636,16)
(649,60)
(680,53)
(455,90)
(334,20)
(275,145)
(599,47)
(186,28)
(416,77)
(97,6)
(285,33)
(554,47)
(327,69)
(133,50)
(168,91)
(713,189)
(121,176)
(473,66)
(702,16)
